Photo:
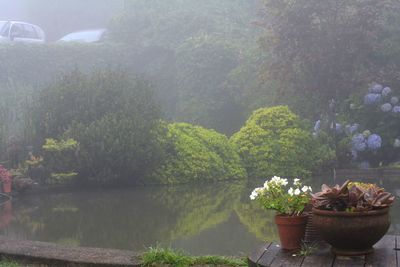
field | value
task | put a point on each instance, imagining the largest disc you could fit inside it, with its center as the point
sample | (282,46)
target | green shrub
(83,98)
(274,142)
(113,118)
(196,154)
(117,148)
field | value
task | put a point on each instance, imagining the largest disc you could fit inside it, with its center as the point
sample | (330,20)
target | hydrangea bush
(276,194)
(371,135)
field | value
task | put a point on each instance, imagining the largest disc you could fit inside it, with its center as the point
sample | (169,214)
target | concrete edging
(57,255)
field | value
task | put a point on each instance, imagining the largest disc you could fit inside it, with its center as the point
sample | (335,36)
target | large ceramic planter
(351,233)
(291,230)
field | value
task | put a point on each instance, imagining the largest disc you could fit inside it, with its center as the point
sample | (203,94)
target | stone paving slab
(57,255)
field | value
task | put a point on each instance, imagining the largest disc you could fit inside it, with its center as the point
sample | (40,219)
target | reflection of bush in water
(65,208)
(23,218)
(138,219)
(257,220)
(200,208)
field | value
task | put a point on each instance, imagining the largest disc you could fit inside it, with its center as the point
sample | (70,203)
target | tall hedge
(113,118)
(196,154)
(274,142)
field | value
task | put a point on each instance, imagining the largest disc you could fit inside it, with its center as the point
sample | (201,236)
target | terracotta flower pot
(291,230)
(7,186)
(351,233)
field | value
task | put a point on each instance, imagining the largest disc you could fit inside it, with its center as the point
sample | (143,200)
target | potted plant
(289,203)
(352,217)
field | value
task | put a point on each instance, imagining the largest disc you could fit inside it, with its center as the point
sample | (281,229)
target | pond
(199,219)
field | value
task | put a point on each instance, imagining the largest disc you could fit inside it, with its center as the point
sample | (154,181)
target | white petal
(290,191)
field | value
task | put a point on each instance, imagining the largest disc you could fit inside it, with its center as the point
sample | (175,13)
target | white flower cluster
(275,181)
(256,192)
(278,181)
(296,192)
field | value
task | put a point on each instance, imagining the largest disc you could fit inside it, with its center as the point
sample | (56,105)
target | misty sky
(59,17)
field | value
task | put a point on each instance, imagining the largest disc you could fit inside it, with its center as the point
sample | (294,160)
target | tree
(325,48)
(206,40)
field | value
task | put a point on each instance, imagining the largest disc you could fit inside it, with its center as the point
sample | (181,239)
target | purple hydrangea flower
(354,128)
(358,142)
(396,109)
(374,142)
(376,89)
(350,129)
(371,99)
(394,100)
(386,91)
(386,107)
(364,165)
(317,126)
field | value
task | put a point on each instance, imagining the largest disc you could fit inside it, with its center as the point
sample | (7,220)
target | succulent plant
(352,197)
(331,198)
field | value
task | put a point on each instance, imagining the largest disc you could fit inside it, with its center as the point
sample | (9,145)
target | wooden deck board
(383,254)
(398,250)
(269,255)
(284,258)
(320,258)
(386,253)
(256,255)
(349,261)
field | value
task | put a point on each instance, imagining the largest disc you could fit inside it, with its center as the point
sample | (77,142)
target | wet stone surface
(56,255)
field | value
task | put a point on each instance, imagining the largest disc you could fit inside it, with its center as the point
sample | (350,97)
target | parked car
(88,36)
(18,31)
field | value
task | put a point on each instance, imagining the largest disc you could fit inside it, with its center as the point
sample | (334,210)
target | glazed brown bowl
(351,233)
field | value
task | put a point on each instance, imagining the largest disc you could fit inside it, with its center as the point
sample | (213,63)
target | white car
(18,31)
(88,36)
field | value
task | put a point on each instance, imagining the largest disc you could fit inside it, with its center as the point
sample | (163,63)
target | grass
(307,249)
(8,264)
(166,256)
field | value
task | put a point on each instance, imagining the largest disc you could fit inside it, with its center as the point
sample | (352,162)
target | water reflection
(216,219)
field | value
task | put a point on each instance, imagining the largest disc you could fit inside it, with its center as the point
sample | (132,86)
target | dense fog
(146,121)
(57,17)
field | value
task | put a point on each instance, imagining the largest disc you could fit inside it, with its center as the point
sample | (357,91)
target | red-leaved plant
(352,197)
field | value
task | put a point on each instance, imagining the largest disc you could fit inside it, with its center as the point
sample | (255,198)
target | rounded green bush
(196,154)
(273,142)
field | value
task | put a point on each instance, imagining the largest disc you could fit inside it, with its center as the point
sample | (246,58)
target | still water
(199,219)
